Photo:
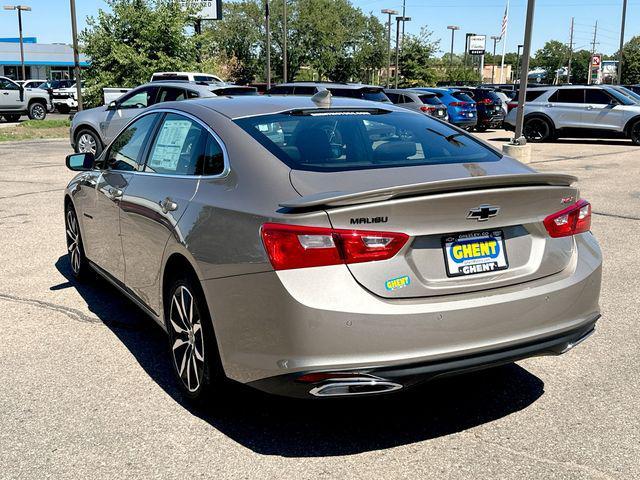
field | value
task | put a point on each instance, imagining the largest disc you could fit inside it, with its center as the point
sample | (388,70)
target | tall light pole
(526,54)
(624,20)
(20,9)
(284,42)
(398,20)
(520,47)
(453,29)
(268,41)
(389,12)
(493,63)
(76,53)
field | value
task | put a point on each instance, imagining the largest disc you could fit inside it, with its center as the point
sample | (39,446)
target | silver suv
(93,129)
(592,111)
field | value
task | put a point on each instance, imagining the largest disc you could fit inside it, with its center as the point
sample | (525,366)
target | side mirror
(113,105)
(80,162)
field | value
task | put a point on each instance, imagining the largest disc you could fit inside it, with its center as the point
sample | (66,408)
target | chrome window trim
(225,155)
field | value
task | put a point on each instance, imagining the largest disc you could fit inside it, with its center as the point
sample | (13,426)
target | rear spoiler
(339,199)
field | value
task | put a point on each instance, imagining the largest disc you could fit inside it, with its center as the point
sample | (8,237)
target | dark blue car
(460,106)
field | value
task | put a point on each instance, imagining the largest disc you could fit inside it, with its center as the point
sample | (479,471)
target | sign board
(596,60)
(206,9)
(477,44)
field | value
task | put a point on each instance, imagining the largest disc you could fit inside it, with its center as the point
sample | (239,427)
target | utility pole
(593,52)
(76,54)
(389,12)
(453,29)
(570,53)
(493,63)
(526,54)
(398,20)
(624,20)
(404,14)
(284,41)
(268,42)
(20,9)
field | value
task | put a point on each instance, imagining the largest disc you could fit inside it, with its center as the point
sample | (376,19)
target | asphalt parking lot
(86,390)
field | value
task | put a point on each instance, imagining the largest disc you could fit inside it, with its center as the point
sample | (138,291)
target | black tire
(634,132)
(37,111)
(481,128)
(63,108)
(13,117)
(75,248)
(88,141)
(537,130)
(192,346)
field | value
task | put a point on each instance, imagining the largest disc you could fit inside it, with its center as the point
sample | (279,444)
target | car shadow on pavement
(272,425)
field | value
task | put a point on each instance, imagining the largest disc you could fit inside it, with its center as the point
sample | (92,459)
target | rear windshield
(430,100)
(463,97)
(331,141)
(363,93)
(487,94)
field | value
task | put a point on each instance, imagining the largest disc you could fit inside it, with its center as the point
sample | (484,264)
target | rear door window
(304,90)
(170,94)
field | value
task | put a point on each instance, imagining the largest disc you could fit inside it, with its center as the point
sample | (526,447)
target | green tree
(552,56)
(133,40)
(580,66)
(418,59)
(631,61)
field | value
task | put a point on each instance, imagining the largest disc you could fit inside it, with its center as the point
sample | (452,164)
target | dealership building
(42,61)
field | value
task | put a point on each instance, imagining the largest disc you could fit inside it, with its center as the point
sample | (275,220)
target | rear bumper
(491,121)
(274,326)
(410,375)
(464,122)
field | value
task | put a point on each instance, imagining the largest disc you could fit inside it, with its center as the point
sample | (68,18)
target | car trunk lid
(438,216)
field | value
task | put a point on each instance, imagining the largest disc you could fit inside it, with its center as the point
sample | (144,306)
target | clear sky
(49,20)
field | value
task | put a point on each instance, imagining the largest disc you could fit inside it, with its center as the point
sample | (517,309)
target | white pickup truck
(16,101)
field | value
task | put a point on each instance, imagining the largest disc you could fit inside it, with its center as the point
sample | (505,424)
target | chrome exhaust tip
(353,386)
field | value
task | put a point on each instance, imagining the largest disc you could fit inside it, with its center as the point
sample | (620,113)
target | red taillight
(297,246)
(424,108)
(511,106)
(485,101)
(570,221)
(458,104)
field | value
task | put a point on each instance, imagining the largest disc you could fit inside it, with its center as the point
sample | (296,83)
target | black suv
(489,105)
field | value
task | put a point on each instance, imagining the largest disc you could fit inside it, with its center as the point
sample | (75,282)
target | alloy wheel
(38,112)
(536,129)
(73,242)
(87,143)
(188,341)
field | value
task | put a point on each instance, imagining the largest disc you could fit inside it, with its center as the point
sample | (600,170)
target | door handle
(5,93)
(589,107)
(549,105)
(167,205)
(114,192)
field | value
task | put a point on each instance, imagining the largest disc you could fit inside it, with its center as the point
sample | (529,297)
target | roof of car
(408,90)
(253,105)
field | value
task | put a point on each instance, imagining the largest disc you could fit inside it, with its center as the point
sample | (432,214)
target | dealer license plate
(476,252)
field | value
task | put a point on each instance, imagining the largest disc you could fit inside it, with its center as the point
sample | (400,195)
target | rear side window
(170,94)
(568,95)
(531,95)
(463,97)
(430,100)
(184,147)
(340,141)
(597,96)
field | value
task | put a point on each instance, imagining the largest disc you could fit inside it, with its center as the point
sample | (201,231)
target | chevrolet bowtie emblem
(483,213)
